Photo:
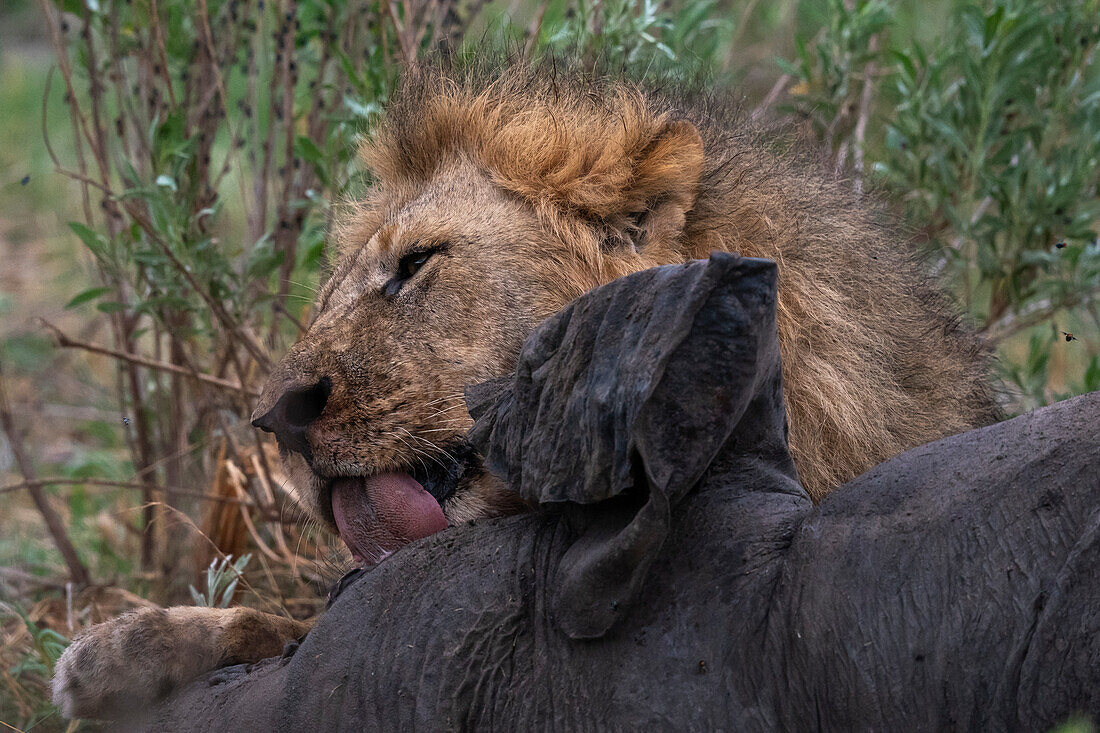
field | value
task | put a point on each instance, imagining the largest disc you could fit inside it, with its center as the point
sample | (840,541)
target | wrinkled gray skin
(681,578)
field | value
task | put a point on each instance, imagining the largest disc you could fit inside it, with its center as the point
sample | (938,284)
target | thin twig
(398,30)
(248,523)
(84,197)
(219,82)
(280,308)
(80,123)
(534,30)
(65,341)
(158,38)
(1034,314)
(110,484)
(864,114)
(777,89)
(78,572)
(238,330)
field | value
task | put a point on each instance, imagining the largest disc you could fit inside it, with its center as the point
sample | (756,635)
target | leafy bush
(212,139)
(991,138)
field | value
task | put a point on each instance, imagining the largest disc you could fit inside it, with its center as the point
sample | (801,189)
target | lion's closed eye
(408,266)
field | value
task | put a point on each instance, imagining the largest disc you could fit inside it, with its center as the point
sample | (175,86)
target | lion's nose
(297,409)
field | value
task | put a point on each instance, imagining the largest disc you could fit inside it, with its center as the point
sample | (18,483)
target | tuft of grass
(222,576)
(28,654)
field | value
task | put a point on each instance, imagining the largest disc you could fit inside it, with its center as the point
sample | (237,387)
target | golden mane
(874,360)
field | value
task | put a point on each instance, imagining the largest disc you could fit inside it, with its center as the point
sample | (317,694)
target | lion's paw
(122,665)
(118,668)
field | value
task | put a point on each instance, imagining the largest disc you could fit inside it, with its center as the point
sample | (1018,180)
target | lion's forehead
(458,208)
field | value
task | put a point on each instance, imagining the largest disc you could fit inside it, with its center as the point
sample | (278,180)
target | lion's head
(498,201)
(488,215)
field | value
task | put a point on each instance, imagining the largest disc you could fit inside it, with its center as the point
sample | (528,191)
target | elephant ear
(618,405)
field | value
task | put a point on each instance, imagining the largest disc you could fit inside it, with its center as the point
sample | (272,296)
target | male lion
(498,200)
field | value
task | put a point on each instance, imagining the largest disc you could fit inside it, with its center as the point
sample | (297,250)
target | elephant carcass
(675,574)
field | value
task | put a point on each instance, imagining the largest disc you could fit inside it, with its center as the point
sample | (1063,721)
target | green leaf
(1092,375)
(366,111)
(91,239)
(89,294)
(308,150)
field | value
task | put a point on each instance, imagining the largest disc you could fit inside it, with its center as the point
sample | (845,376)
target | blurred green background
(195,150)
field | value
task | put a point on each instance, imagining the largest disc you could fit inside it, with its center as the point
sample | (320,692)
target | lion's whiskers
(432,446)
(418,453)
(311,288)
(448,409)
(455,396)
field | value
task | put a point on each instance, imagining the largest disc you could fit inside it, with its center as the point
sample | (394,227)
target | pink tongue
(383,513)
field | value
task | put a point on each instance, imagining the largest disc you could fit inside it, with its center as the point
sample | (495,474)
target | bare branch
(864,114)
(1033,314)
(534,30)
(64,341)
(77,570)
(777,89)
(63,481)
(280,308)
(390,11)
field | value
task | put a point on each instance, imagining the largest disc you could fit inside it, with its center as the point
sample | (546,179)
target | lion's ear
(664,185)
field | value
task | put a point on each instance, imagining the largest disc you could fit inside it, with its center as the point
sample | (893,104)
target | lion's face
(368,407)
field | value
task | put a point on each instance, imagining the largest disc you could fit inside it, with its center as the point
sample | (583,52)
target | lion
(497,199)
